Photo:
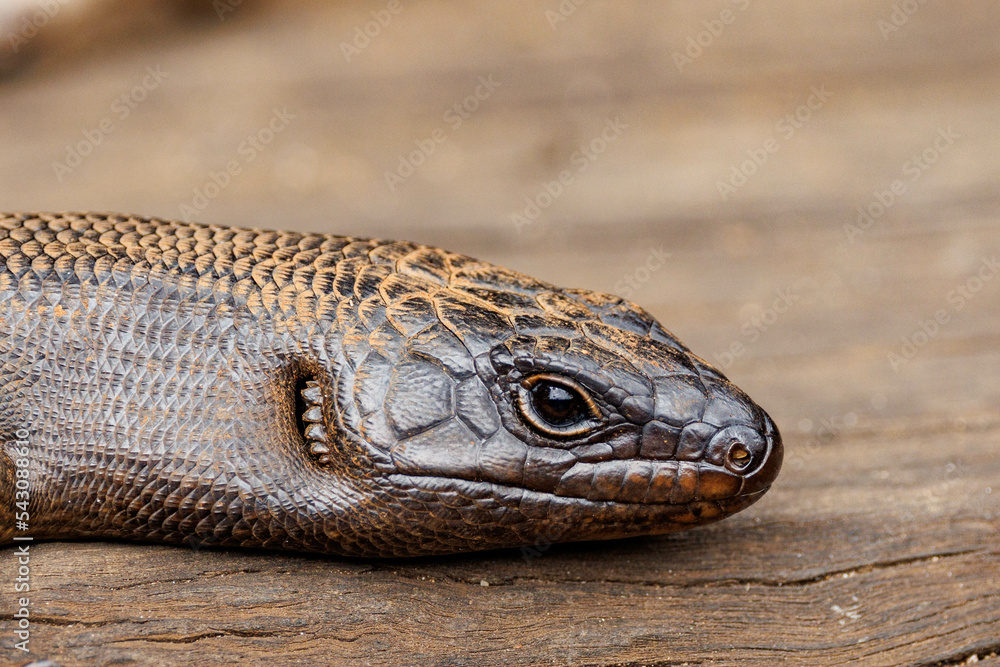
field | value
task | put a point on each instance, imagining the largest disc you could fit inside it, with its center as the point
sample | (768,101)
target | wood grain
(840,562)
(879,544)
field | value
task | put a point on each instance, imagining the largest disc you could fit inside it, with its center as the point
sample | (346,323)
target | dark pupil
(556,404)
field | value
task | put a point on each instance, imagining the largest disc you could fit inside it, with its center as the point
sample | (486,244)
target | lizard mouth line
(637,481)
(508,494)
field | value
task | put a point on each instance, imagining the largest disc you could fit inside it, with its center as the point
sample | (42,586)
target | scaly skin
(184,383)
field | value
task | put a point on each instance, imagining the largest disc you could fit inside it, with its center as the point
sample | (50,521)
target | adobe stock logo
(121,108)
(631,282)
(957,299)
(784,129)
(913,170)
(763,319)
(579,161)
(697,44)
(364,34)
(248,150)
(901,14)
(455,116)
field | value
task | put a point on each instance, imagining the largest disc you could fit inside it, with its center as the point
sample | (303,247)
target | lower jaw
(580,518)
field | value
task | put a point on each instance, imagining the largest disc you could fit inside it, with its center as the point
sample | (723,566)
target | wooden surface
(879,545)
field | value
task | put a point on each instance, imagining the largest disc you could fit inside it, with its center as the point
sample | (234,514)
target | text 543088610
(22,518)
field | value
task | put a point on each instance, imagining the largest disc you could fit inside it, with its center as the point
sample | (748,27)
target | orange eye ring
(557,406)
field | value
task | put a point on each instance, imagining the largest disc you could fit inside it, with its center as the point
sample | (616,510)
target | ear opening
(309,415)
(303,382)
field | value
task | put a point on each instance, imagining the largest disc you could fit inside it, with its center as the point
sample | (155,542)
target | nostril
(739,458)
(739,449)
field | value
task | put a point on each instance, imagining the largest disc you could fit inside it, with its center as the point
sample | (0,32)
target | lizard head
(494,410)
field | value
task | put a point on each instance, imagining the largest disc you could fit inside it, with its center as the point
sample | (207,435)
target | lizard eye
(557,406)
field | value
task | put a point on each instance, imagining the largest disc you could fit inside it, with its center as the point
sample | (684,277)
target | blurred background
(805,193)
